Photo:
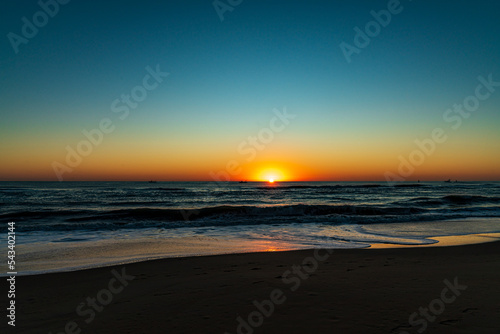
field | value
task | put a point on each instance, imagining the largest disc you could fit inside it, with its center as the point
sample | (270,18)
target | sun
(271,174)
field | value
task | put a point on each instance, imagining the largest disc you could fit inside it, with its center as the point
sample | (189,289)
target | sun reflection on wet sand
(79,255)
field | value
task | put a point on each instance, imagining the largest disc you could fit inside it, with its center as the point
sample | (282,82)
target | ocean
(75,225)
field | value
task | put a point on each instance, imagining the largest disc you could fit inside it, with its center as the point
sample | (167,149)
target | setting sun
(271,173)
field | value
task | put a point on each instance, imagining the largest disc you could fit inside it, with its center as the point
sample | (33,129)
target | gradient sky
(353,120)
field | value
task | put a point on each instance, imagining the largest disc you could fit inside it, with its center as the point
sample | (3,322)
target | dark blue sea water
(58,216)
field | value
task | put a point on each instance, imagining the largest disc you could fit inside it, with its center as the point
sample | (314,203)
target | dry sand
(347,291)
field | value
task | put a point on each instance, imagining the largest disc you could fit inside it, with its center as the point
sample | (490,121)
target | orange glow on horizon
(129,163)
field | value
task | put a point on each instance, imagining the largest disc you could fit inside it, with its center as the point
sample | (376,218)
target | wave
(454,200)
(41,214)
(321,187)
(135,203)
(249,211)
(404,185)
(345,186)
(116,219)
(466,199)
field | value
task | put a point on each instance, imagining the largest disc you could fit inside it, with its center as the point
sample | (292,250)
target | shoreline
(441,241)
(350,291)
(448,241)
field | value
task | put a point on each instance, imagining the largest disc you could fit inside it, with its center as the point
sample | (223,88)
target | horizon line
(255,181)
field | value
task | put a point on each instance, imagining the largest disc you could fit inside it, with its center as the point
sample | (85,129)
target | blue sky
(226,77)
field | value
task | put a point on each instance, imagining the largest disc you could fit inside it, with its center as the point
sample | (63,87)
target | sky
(291,90)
